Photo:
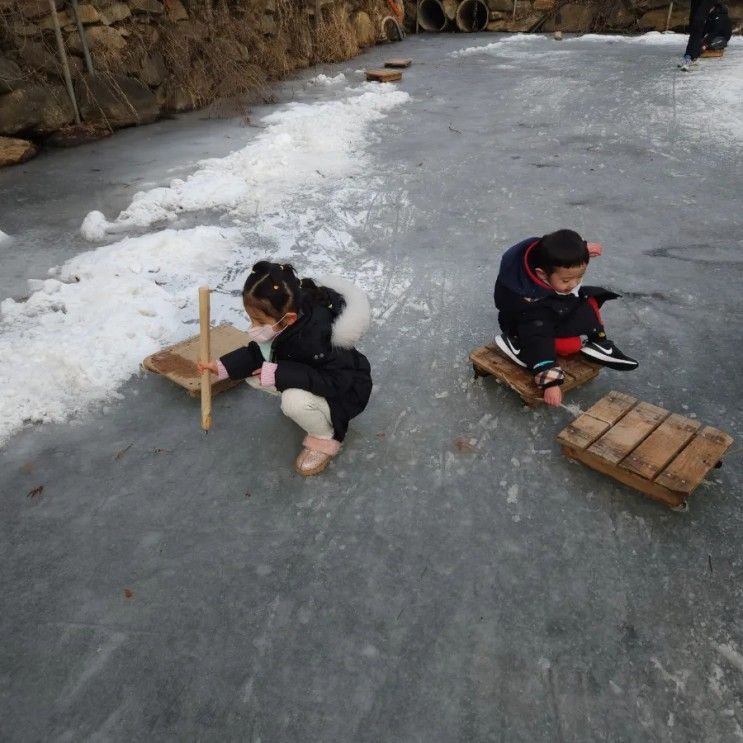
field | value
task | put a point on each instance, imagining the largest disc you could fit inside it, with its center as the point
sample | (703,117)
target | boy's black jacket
(531,310)
(308,360)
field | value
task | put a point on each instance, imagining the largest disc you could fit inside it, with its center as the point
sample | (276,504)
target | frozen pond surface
(451,577)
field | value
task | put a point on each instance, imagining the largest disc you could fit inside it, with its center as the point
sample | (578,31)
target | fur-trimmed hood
(355,317)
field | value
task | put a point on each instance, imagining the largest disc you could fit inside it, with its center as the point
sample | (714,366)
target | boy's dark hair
(275,289)
(561,249)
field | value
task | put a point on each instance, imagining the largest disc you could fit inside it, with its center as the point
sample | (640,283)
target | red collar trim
(528,270)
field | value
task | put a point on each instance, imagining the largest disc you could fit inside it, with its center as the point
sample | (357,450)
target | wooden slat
(398,63)
(383,76)
(489,360)
(628,432)
(612,407)
(648,487)
(582,432)
(693,462)
(658,449)
(178,362)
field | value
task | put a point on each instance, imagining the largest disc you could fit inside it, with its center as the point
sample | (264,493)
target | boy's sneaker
(686,63)
(510,348)
(603,351)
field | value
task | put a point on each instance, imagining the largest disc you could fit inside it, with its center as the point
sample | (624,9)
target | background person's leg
(697,20)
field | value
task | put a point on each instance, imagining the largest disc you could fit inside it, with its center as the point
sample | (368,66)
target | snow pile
(84,332)
(327,81)
(302,144)
(4,237)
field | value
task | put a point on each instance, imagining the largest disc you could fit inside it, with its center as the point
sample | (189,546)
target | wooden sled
(383,76)
(178,362)
(663,455)
(488,360)
(398,63)
(708,53)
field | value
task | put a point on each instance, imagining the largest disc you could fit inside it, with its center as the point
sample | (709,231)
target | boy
(543,309)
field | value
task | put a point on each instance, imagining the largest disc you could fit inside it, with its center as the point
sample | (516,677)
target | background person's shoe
(604,352)
(510,348)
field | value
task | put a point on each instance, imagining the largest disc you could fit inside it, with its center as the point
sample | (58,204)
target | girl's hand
(209,365)
(257,372)
(595,249)
(553,396)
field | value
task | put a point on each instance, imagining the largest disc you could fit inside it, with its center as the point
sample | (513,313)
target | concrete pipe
(431,16)
(472,15)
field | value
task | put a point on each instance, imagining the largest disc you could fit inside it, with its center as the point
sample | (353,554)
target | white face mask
(264,333)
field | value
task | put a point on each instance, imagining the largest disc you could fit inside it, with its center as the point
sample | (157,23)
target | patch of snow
(327,81)
(302,144)
(4,237)
(731,654)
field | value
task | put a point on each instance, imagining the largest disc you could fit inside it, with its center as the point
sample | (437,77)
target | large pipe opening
(431,16)
(472,15)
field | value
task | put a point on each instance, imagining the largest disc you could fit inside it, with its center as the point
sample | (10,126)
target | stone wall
(594,15)
(154,57)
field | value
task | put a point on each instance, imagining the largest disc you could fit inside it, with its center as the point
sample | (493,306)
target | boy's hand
(595,249)
(553,396)
(209,365)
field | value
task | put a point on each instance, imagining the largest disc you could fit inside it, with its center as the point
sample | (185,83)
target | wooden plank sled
(383,76)
(398,63)
(178,362)
(488,360)
(707,53)
(661,454)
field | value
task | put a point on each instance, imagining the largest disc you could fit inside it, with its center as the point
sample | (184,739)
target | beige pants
(308,411)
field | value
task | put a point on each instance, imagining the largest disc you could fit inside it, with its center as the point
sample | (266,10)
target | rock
(521,25)
(14,151)
(544,4)
(655,20)
(103,40)
(11,76)
(25,29)
(115,100)
(114,13)
(175,11)
(230,49)
(193,29)
(39,58)
(268,25)
(146,6)
(87,14)
(498,26)
(557,36)
(33,9)
(64,18)
(153,70)
(450,9)
(506,6)
(572,18)
(620,18)
(365,32)
(178,99)
(35,109)
(77,134)
(270,7)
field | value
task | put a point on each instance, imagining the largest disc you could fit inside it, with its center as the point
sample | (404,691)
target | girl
(302,338)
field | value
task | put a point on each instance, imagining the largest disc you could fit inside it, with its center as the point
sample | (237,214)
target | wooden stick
(668,17)
(204,357)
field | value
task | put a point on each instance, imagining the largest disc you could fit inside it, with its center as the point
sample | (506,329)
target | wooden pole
(83,38)
(204,357)
(668,17)
(63,60)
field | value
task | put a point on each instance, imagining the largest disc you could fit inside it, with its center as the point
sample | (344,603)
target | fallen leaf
(463,445)
(248,494)
(36,492)
(128,593)
(119,454)
(381,435)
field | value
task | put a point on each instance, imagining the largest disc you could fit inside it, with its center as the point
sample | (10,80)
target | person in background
(709,28)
